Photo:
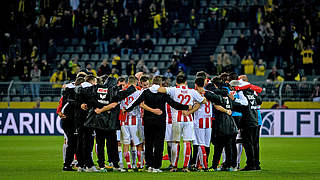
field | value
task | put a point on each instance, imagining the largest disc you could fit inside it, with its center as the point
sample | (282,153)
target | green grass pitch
(40,157)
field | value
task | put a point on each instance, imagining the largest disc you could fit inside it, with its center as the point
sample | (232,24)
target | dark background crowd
(284,36)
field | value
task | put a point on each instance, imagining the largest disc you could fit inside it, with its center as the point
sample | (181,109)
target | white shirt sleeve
(171,91)
(197,96)
(242,99)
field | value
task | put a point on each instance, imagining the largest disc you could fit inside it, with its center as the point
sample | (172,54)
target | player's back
(203,116)
(185,96)
(133,116)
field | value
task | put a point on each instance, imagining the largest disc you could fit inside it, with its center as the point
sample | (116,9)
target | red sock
(139,159)
(75,157)
(127,158)
(187,153)
(204,157)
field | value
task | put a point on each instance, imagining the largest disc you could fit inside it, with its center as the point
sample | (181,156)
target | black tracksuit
(68,125)
(224,128)
(106,131)
(85,135)
(154,125)
(249,128)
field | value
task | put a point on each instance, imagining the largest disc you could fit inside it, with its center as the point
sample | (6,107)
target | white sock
(174,154)
(186,153)
(223,156)
(134,156)
(120,156)
(239,152)
(64,151)
(200,156)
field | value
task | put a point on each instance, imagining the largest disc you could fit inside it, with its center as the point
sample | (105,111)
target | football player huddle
(132,117)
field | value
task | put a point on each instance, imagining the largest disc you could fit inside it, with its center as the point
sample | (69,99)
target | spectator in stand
(176,29)
(168,74)
(157,25)
(223,59)
(193,22)
(211,67)
(291,73)
(25,77)
(104,68)
(141,67)
(126,45)
(131,68)
(58,78)
(45,70)
(137,22)
(259,16)
(316,92)
(212,18)
(35,78)
(104,38)
(273,74)
(174,67)
(4,72)
(116,46)
(235,62)
(155,71)
(138,45)
(124,22)
(185,61)
(148,45)
(248,64)
(63,64)
(279,51)
(307,60)
(52,52)
(256,43)
(260,68)
(114,73)
(241,46)
(91,38)
(116,64)
(90,70)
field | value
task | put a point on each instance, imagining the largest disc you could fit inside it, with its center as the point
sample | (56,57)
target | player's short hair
(200,82)
(81,74)
(181,79)
(144,78)
(217,81)
(201,74)
(121,79)
(99,80)
(78,81)
(233,76)
(89,78)
(224,77)
(132,79)
(157,80)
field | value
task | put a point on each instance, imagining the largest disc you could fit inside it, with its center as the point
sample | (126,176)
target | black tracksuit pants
(221,142)
(109,139)
(84,147)
(250,138)
(257,147)
(71,142)
(234,143)
(154,131)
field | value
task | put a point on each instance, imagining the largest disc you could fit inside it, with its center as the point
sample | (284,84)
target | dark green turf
(36,157)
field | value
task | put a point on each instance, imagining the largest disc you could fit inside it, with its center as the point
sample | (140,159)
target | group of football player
(223,111)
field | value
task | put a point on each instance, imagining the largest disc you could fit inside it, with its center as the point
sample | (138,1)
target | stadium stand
(62,38)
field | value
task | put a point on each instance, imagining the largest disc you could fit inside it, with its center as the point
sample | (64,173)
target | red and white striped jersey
(168,114)
(203,116)
(132,117)
(185,96)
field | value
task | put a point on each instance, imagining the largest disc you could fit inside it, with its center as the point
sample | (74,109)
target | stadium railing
(14,91)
